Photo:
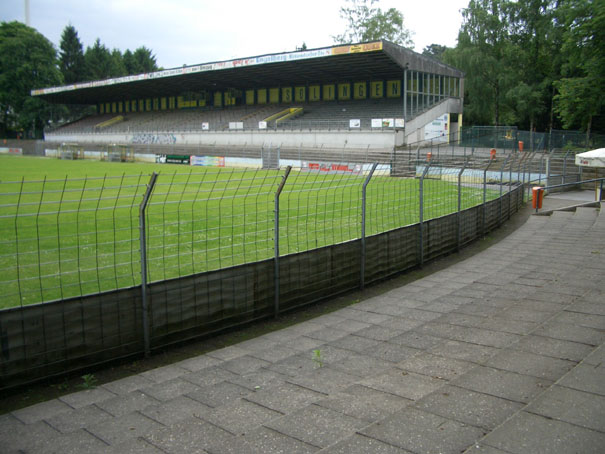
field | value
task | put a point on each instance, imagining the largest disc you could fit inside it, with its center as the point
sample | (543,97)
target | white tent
(592,158)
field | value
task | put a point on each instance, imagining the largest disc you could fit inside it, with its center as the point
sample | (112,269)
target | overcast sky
(199,31)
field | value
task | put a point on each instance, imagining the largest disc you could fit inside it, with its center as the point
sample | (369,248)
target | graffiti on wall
(154,139)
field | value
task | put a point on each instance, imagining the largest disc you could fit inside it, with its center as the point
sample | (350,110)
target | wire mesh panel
(71,237)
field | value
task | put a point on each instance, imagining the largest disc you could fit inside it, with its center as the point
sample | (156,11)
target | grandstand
(374,95)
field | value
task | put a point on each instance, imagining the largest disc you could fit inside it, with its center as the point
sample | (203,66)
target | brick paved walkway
(500,353)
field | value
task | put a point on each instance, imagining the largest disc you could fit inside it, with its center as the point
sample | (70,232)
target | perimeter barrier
(97,269)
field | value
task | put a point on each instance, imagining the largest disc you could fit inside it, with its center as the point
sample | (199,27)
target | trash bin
(537,193)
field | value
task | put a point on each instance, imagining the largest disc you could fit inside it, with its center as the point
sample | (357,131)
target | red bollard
(537,194)
(520,145)
(492,153)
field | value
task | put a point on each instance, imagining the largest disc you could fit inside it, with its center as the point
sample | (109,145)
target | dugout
(368,93)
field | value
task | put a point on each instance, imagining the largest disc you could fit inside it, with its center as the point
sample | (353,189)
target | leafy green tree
(365,22)
(581,90)
(27,61)
(71,56)
(118,68)
(435,51)
(484,53)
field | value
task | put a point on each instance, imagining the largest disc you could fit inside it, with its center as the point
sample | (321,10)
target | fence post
(458,216)
(485,195)
(363,224)
(143,247)
(277,193)
(421,213)
(501,183)
(510,184)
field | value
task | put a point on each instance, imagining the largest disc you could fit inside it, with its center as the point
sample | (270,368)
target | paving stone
(416,339)
(363,316)
(364,403)
(165,373)
(43,410)
(464,351)
(504,384)
(421,432)
(124,428)
(379,333)
(127,384)
(597,357)
(169,389)
(84,398)
(265,441)
(128,403)
(361,365)
(404,384)
(219,394)
(479,448)
(19,437)
(324,380)
(285,398)
(78,419)
(522,327)
(302,343)
(71,443)
(227,353)
(556,348)
(360,444)
(350,326)
(244,364)
(470,407)
(294,365)
(526,432)
(564,331)
(275,353)
(135,446)
(209,376)
(391,352)
(260,379)
(521,313)
(330,333)
(175,410)
(188,436)
(198,363)
(317,426)
(436,366)
(240,416)
(577,318)
(531,364)
(572,406)
(586,377)
(355,343)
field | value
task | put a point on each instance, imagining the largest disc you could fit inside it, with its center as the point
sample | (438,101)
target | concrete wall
(379,139)
(414,129)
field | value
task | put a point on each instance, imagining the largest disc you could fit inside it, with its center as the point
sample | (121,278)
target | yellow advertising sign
(329,92)
(376,88)
(359,90)
(344,92)
(261,96)
(300,94)
(286,94)
(274,95)
(249,97)
(218,99)
(393,88)
(314,93)
(367,47)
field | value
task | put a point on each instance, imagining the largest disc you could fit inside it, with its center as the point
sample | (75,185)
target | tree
(71,56)
(368,23)
(27,61)
(98,61)
(435,51)
(581,91)
(144,61)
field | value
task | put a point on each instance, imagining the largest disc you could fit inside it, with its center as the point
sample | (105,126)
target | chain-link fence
(123,264)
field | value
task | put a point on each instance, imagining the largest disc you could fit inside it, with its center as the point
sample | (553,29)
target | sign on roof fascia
(243,62)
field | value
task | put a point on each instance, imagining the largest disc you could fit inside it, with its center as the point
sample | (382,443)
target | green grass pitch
(70,228)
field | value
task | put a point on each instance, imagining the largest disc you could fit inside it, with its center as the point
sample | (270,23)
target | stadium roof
(363,61)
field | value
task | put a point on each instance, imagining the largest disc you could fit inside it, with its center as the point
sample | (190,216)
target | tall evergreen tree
(144,60)
(71,56)
(98,61)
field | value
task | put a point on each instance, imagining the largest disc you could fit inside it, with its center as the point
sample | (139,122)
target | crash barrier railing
(538,192)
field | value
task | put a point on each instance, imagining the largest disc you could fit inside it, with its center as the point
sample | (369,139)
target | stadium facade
(376,95)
